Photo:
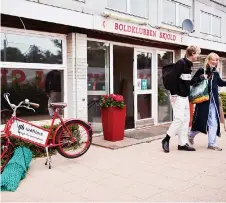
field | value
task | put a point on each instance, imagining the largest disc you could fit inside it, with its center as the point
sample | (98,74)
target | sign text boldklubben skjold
(144,31)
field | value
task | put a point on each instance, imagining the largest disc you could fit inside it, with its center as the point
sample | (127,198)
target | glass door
(98,56)
(143,72)
(165,113)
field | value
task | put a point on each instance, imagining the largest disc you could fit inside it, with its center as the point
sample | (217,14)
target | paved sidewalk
(136,173)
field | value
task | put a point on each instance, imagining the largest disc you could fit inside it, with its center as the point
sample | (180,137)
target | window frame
(128,10)
(177,5)
(211,24)
(36,34)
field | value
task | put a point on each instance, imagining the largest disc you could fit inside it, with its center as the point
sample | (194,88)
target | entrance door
(165,113)
(143,85)
(98,55)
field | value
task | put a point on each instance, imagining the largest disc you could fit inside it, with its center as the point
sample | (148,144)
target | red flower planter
(113,122)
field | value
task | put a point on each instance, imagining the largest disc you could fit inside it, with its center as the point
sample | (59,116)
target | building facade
(102,47)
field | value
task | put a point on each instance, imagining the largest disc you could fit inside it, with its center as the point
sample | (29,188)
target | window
(26,59)
(175,13)
(205,23)
(164,104)
(97,58)
(139,7)
(133,7)
(26,84)
(144,70)
(198,64)
(216,26)
(118,5)
(169,12)
(30,49)
(184,13)
(210,24)
(224,69)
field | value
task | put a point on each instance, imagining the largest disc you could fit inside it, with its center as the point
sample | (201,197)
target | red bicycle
(72,138)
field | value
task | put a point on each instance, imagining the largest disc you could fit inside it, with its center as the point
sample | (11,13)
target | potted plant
(113,115)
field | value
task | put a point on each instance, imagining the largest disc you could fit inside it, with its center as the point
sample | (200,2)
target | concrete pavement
(140,173)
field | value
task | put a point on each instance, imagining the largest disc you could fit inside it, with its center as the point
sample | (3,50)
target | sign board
(144,84)
(135,30)
(29,132)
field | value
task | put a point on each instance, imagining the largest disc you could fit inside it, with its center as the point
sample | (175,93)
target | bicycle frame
(8,130)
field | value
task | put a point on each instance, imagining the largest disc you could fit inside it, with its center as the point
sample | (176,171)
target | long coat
(200,118)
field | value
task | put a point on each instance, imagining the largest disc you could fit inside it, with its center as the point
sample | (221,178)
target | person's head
(192,53)
(211,60)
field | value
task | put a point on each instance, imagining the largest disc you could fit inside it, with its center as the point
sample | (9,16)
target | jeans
(212,125)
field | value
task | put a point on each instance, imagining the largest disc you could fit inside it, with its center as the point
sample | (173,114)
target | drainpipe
(193,13)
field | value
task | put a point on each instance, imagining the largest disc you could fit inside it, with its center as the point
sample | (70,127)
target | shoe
(165,145)
(191,140)
(185,148)
(214,148)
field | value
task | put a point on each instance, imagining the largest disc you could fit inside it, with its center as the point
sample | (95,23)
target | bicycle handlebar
(26,101)
(6,96)
(35,105)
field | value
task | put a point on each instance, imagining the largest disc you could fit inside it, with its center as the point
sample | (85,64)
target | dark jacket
(53,81)
(201,114)
(183,71)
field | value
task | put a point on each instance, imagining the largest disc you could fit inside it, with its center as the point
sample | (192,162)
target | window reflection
(30,49)
(198,64)
(26,84)
(144,66)
(98,70)
(97,58)
(94,112)
(164,105)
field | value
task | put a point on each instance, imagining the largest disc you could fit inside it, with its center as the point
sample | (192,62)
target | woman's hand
(204,76)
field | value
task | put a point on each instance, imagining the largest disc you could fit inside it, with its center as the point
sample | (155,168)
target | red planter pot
(113,122)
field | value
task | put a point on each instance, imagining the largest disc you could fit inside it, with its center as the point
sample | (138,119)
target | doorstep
(133,137)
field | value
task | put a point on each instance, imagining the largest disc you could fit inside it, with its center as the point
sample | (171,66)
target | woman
(206,118)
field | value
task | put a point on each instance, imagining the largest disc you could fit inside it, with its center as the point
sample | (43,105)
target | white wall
(82,14)
(206,8)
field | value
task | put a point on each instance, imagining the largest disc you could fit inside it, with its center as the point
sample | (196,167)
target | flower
(112,100)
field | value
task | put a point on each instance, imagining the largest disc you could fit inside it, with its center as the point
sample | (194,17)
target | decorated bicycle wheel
(74,140)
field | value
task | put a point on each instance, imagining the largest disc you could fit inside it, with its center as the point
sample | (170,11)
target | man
(180,90)
(53,89)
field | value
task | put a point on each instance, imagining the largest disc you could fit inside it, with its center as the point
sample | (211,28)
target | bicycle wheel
(77,142)
(7,151)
